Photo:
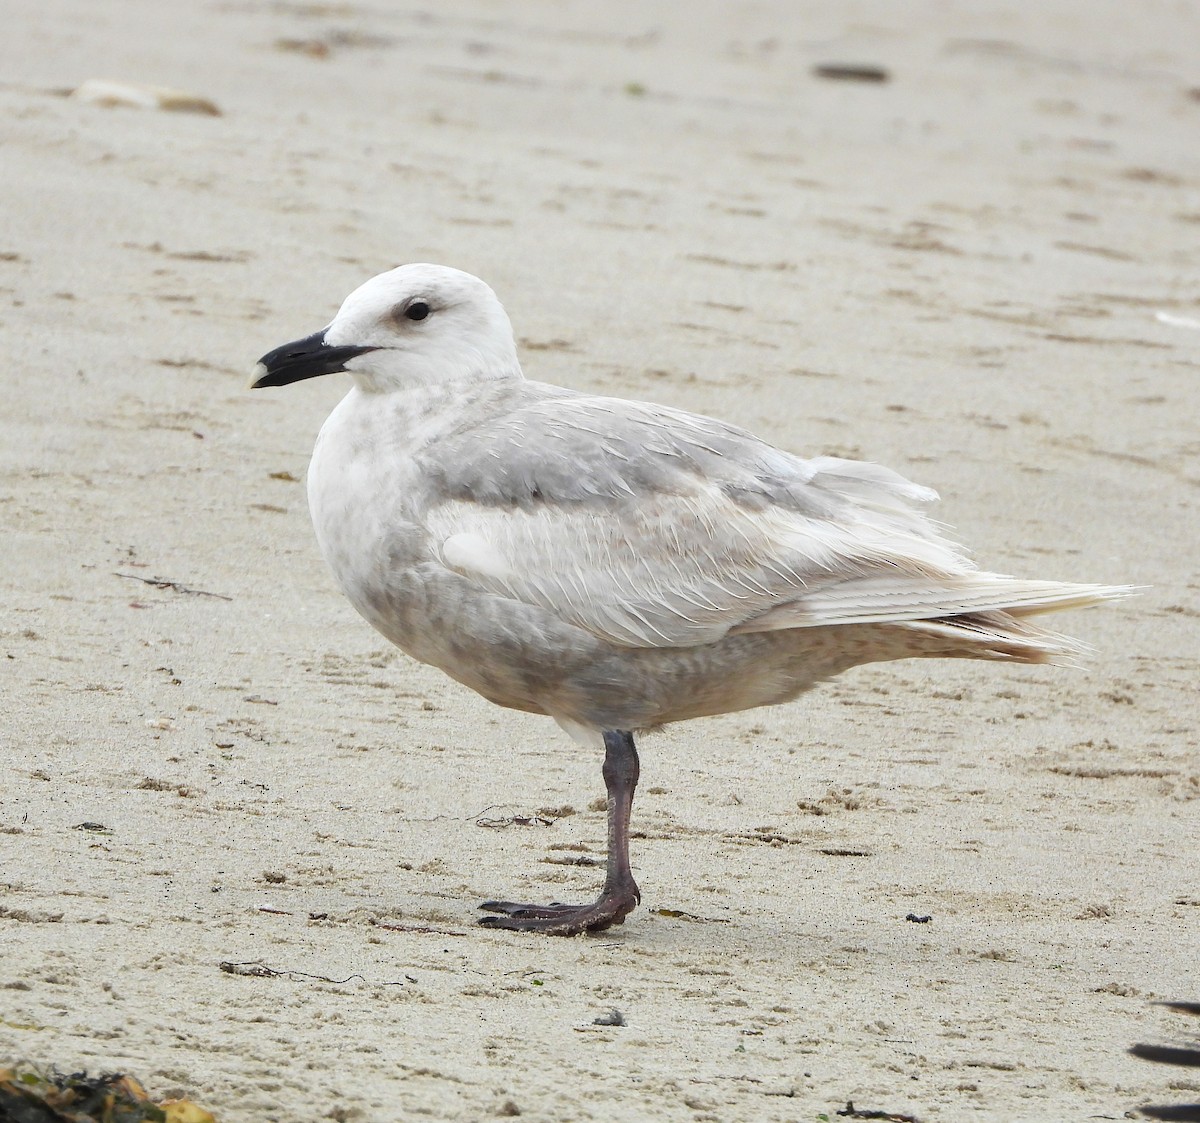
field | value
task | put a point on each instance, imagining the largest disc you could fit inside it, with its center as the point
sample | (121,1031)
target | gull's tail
(970,615)
(1003,630)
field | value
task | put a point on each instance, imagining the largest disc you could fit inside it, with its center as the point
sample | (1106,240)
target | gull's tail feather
(979,609)
(1003,632)
(994,635)
(1055,596)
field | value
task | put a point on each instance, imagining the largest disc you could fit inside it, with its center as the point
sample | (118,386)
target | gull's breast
(360,489)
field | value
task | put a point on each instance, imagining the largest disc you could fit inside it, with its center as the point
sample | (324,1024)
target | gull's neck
(479,369)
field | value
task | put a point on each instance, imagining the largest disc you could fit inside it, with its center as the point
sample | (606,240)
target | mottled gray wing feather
(652,527)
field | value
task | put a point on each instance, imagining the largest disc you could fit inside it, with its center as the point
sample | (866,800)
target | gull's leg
(620,894)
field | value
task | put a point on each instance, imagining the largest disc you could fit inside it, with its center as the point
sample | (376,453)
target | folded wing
(651,527)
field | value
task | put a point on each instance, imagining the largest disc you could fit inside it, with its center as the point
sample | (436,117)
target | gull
(616,565)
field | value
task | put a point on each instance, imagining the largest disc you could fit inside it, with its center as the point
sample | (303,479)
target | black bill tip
(310,357)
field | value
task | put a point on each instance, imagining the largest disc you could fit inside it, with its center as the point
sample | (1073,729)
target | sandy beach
(982,271)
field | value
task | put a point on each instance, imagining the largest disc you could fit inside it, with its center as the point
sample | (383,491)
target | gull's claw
(558,919)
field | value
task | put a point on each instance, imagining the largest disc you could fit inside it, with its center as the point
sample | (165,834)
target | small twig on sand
(260,970)
(418,928)
(516,821)
(163,583)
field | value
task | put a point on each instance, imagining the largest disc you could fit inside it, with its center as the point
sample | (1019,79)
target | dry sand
(957,273)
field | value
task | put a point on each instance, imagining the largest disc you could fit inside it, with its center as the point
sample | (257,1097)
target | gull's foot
(558,919)
(619,895)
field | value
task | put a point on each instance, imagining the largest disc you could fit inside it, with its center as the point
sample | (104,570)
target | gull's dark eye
(417,310)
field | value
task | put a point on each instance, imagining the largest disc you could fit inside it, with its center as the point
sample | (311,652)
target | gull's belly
(388,569)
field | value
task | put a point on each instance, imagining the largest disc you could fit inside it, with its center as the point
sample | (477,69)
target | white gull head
(415,325)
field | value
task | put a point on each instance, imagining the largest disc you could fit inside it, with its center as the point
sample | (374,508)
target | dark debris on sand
(31,1096)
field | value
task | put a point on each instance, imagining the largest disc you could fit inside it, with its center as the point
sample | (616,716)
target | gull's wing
(652,527)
